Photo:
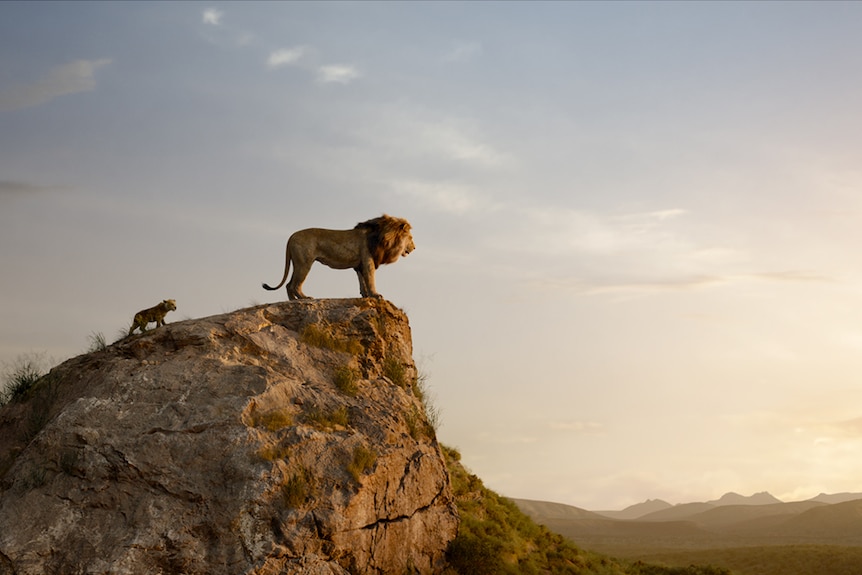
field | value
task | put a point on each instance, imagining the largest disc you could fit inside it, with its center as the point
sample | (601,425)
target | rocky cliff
(282,438)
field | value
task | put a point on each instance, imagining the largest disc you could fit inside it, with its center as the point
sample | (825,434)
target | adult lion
(364,248)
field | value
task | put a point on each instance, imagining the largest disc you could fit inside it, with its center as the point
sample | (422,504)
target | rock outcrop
(284,438)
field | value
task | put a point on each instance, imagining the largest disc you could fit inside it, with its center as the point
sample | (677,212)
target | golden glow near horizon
(636,272)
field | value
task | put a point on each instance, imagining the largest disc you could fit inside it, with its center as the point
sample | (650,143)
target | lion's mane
(386,237)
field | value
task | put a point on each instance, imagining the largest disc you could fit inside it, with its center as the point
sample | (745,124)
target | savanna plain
(757,535)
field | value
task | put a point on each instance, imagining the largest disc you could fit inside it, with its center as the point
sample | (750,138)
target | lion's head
(388,239)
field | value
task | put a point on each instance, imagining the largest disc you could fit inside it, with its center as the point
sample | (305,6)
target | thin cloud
(443,196)
(792,276)
(245,39)
(14,188)
(71,78)
(680,283)
(577,231)
(583,427)
(213,16)
(337,74)
(657,215)
(286,57)
(631,287)
(659,286)
(463,52)
(458,144)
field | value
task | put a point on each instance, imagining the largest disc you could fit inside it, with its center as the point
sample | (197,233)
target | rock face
(283,438)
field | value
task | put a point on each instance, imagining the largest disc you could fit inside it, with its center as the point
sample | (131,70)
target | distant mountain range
(730,521)
(660,510)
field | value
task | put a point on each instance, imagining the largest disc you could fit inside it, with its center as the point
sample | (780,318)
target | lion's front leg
(366,280)
(363,285)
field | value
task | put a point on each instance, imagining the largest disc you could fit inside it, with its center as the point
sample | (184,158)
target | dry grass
(346,380)
(273,420)
(298,488)
(274,452)
(327,420)
(362,462)
(322,335)
(395,371)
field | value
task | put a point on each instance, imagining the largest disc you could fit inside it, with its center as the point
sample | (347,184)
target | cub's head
(169,305)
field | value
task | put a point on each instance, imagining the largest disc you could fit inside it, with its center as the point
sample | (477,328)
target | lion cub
(154,314)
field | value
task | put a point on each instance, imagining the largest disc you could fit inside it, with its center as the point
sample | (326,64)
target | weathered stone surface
(224,446)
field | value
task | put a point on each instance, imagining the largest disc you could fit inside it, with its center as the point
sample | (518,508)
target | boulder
(280,439)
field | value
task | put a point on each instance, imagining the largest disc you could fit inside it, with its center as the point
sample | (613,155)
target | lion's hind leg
(300,272)
(137,323)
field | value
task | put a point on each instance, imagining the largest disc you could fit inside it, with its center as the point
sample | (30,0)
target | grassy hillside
(496,538)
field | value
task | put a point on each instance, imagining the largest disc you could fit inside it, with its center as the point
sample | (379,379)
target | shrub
(432,412)
(273,420)
(297,489)
(97,342)
(20,376)
(362,462)
(469,553)
(345,379)
(395,371)
(418,425)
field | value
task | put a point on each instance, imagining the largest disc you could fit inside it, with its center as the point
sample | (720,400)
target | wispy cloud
(337,74)
(15,188)
(560,231)
(581,427)
(443,196)
(286,56)
(463,52)
(71,78)
(245,39)
(670,284)
(213,16)
(791,276)
(457,143)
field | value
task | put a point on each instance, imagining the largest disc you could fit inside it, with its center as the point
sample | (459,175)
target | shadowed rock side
(247,443)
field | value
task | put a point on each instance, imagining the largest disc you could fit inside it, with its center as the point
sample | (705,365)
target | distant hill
(659,510)
(836,497)
(678,512)
(762,498)
(548,510)
(750,517)
(840,523)
(637,510)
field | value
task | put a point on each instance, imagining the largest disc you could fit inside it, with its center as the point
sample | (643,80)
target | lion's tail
(286,269)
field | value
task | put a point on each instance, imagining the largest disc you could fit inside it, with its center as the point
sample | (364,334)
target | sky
(637,224)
